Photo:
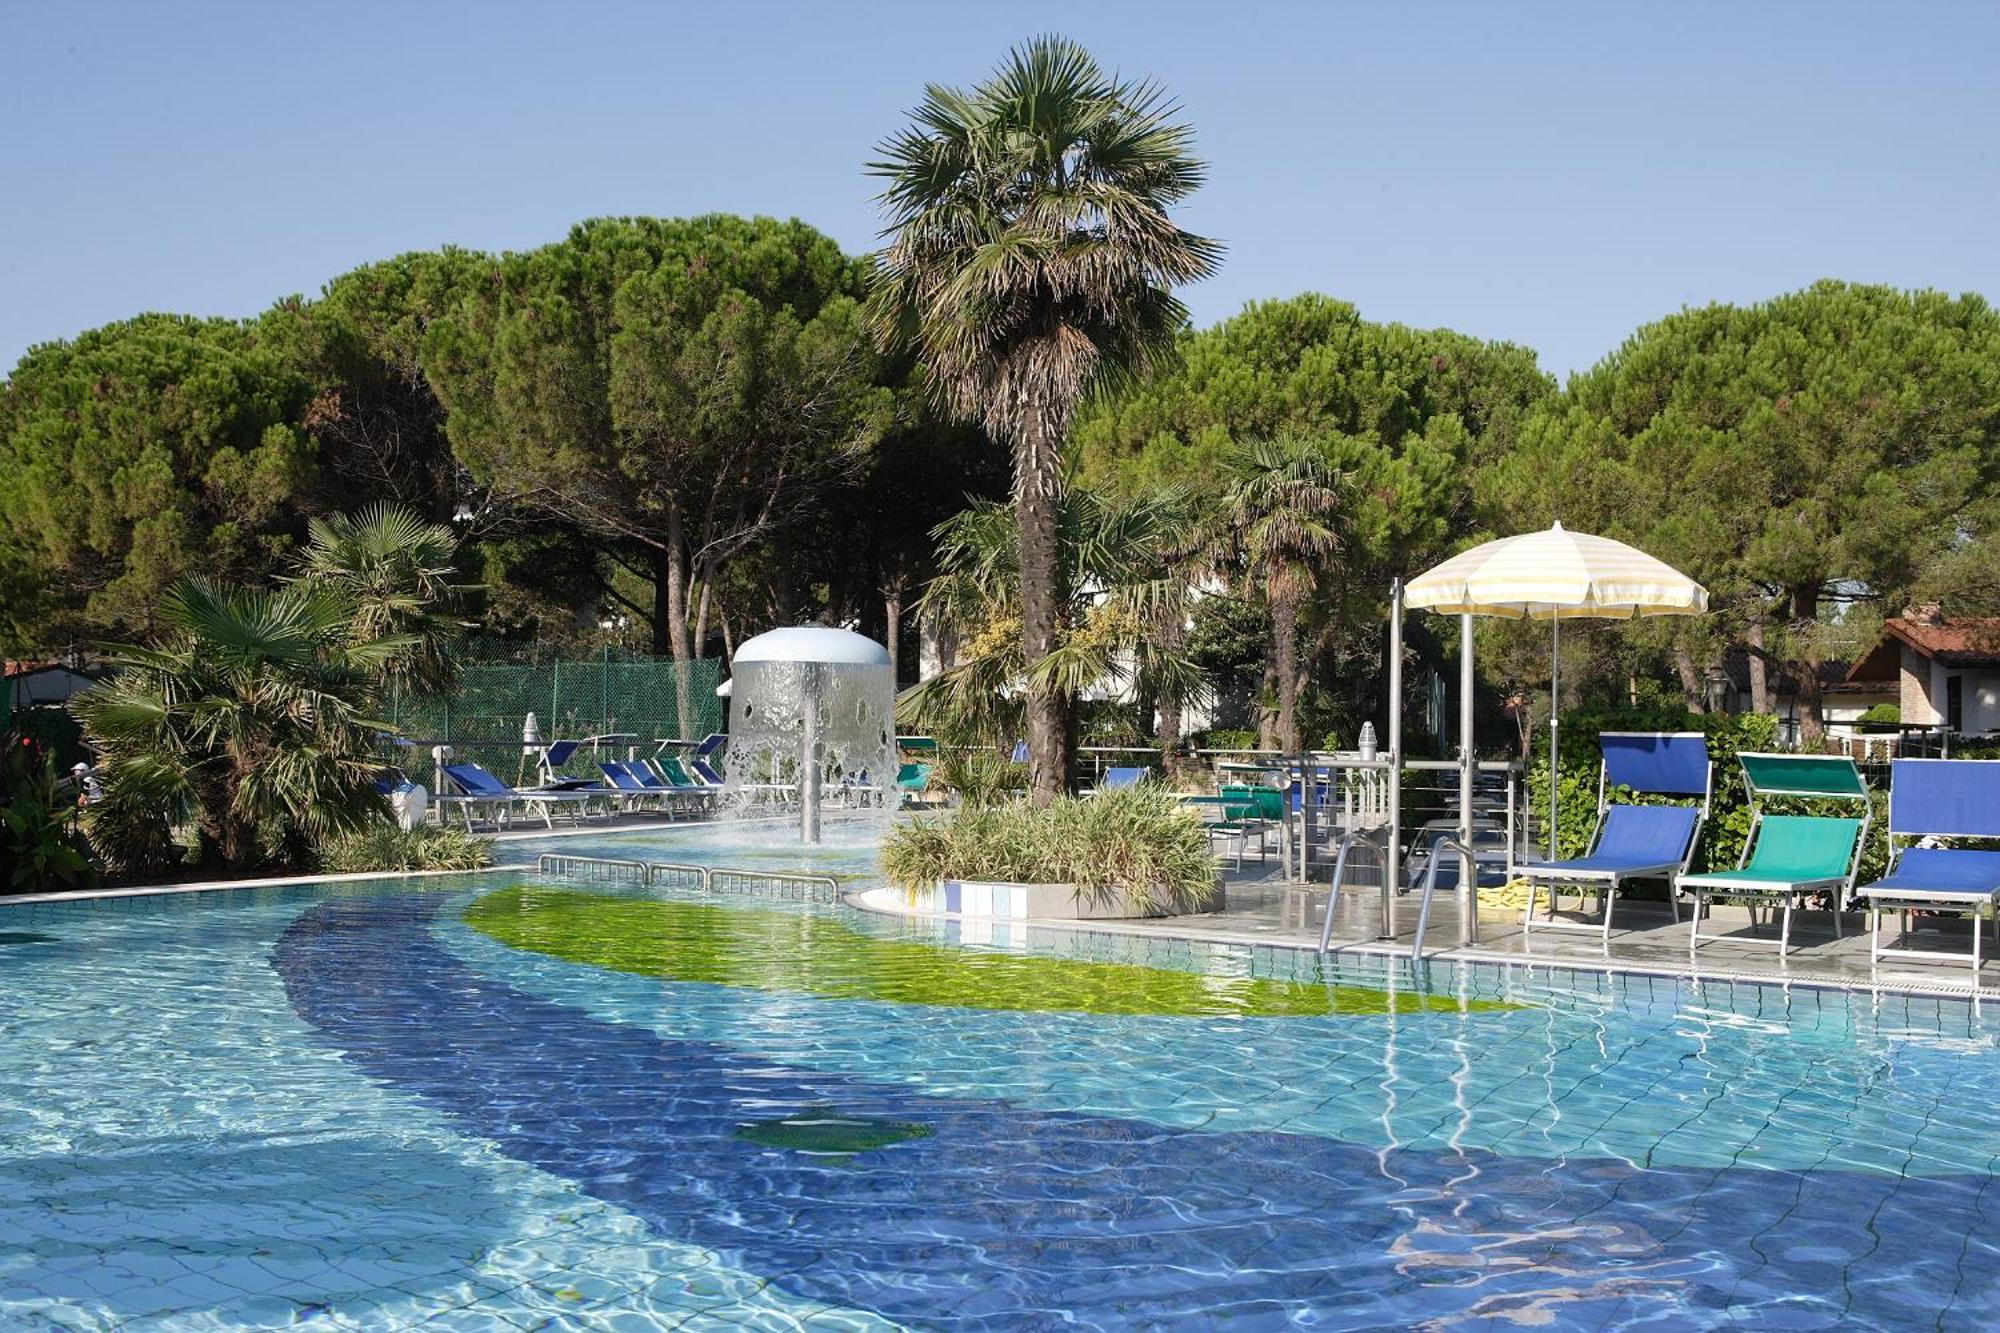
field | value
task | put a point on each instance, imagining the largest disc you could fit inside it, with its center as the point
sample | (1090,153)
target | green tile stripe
(761,949)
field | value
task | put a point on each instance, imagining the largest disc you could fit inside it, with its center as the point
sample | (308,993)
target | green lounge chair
(1788,857)
(695,795)
(1237,812)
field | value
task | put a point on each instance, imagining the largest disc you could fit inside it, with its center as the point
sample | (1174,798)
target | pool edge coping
(1373,949)
(1359,948)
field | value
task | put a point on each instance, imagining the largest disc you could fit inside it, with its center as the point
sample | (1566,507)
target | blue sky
(1551,174)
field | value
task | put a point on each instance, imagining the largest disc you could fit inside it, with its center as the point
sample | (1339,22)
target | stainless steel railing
(1466,866)
(704,879)
(592,867)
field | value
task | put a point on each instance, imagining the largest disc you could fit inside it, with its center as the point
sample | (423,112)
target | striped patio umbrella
(1555,575)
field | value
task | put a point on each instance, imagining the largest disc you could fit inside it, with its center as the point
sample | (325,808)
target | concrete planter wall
(1047,902)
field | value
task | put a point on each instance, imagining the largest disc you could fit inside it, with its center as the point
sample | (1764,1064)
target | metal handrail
(654,869)
(824,888)
(1347,841)
(551,863)
(1430,887)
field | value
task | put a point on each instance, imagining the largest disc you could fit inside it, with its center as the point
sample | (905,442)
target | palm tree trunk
(892,627)
(1267,716)
(1037,512)
(1285,642)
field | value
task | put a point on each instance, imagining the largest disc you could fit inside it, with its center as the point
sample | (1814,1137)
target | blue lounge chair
(476,786)
(1117,779)
(1631,842)
(1938,798)
(633,790)
(1789,857)
(550,777)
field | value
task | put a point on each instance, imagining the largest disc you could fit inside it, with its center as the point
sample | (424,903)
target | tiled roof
(1958,639)
(1953,640)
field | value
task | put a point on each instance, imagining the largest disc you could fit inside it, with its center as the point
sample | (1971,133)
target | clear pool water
(478,1103)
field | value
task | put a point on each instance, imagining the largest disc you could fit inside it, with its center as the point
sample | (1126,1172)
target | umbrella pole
(1392,853)
(1555,710)
(1468,872)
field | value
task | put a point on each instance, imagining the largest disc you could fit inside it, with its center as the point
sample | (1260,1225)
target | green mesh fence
(649,698)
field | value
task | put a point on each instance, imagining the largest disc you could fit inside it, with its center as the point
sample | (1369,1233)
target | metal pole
(809,756)
(1392,861)
(1468,890)
(1555,724)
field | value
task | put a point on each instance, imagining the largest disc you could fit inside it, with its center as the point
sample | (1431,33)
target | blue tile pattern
(1004,1216)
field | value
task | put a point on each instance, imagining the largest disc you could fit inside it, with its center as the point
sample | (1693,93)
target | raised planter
(1047,902)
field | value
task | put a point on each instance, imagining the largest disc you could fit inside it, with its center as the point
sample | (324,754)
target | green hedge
(1728,734)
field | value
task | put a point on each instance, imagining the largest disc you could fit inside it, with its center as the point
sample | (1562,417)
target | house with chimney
(1944,670)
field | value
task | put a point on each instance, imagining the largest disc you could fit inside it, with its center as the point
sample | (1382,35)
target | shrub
(1728,735)
(388,847)
(1881,715)
(40,851)
(979,775)
(1227,738)
(1136,846)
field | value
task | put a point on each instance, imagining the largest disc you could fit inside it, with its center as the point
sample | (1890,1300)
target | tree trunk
(892,628)
(1812,700)
(784,583)
(674,575)
(1691,683)
(1285,644)
(661,642)
(1038,514)
(1172,632)
(1169,733)
(1760,671)
(1267,716)
(702,604)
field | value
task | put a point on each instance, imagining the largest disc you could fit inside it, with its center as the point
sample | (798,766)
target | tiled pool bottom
(345,1106)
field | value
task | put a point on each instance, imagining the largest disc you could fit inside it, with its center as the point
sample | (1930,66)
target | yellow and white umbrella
(1555,575)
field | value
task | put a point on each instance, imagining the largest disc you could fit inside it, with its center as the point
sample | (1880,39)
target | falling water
(811,721)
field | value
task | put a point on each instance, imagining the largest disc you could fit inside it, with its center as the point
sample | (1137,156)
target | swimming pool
(486,1102)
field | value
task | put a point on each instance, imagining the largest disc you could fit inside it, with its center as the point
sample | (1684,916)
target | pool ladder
(1466,865)
(1438,849)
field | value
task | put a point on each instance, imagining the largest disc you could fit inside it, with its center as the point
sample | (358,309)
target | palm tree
(1120,580)
(1031,259)
(1279,522)
(394,569)
(250,721)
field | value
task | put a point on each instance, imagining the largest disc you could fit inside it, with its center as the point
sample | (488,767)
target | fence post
(555,697)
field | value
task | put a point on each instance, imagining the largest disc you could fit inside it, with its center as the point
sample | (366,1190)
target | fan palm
(249,721)
(394,569)
(1278,524)
(1117,569)
(1031,259)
